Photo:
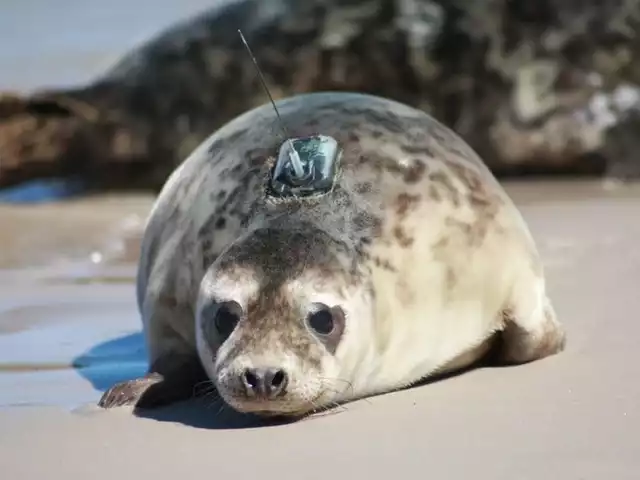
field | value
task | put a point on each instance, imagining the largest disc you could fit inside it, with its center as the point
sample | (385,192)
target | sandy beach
(69,328)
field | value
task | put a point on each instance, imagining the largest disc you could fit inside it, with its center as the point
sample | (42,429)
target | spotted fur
(417,243)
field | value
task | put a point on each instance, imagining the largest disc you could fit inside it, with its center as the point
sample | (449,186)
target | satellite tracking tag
(306,165)
(319,156)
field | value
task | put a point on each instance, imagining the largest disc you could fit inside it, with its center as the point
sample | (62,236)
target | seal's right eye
(227,316)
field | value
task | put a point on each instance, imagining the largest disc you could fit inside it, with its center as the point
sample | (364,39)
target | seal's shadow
(124,358)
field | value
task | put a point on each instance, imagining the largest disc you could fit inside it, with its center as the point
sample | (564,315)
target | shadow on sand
(124,358)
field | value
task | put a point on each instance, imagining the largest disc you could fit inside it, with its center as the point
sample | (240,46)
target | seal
(414,263)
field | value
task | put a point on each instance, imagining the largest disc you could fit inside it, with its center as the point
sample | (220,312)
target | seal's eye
(227,317)
(321,321)
(327,323)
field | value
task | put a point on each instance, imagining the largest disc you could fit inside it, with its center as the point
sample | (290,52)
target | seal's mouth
(277,417)
(272,391)
(286,408)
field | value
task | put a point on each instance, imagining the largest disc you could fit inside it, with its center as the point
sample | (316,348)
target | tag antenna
(293,155)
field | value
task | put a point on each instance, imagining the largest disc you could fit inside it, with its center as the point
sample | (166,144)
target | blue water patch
(42,191)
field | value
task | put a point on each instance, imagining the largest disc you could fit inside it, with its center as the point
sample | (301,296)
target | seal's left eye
(321,321)
(328,324)
(227,317)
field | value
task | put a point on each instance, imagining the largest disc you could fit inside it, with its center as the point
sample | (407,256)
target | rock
(551,86)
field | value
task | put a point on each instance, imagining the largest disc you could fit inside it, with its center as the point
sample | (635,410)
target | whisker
(341,406)
(333,409)
(222,408)
(347,382)
(206,392)
(204,387)
(216,402)
(203,382)
(212,395)
(363,398)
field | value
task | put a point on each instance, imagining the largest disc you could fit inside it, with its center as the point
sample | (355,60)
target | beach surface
(69,328)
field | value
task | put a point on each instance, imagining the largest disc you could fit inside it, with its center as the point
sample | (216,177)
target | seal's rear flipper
(525,339)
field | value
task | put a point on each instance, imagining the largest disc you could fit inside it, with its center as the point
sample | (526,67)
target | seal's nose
(265,382)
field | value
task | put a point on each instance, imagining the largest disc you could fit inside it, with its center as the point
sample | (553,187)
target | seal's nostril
(276,382)
(278,379)
(251,379)
(265,382)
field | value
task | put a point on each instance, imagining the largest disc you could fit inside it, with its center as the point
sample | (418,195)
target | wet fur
(419,241)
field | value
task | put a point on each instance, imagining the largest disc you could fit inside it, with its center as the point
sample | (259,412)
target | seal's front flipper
(168,381)
(130,392)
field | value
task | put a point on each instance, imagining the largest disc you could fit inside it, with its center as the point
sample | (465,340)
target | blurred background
(113,96)
(70,42)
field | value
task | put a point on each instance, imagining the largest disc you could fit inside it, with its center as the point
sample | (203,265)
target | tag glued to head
(316,158)
(306,165)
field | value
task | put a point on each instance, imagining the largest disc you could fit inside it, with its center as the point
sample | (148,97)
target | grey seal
(415,263)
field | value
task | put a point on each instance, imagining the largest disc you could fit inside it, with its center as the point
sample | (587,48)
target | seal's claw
(155,389)
(127,393)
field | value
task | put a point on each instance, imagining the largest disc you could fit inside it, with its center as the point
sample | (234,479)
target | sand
(572,416)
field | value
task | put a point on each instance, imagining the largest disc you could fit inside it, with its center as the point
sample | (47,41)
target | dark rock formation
(544,86)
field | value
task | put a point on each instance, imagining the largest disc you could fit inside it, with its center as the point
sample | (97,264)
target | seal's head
(275,315)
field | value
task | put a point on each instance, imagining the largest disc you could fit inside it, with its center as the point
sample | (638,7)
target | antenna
(296,162)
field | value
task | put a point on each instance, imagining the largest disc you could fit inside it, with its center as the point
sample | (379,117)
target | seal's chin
(269,391)
(283,408)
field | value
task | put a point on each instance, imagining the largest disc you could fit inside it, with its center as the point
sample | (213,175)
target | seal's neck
(337,214)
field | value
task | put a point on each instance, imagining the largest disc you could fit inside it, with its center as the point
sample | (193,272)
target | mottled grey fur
(214,216)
